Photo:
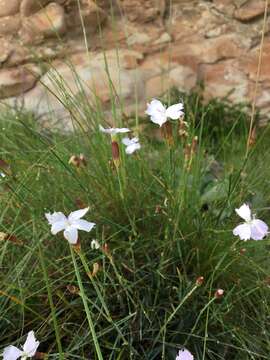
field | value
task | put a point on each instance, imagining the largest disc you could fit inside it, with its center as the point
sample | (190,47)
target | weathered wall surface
(149,45)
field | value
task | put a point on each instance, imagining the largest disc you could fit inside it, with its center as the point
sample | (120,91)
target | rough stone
(6,49)
(250,10)
(29,7)
(91,81)
(158,47)
(226,81)
(181,77)
(15,81)
(250,62)
(93,16)
(143,10)
(9,7)
(10,24)
(47,22)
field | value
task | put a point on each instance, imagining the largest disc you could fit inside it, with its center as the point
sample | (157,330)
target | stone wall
(149,46)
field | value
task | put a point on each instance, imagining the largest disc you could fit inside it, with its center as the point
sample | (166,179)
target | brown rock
(181,77)
(15,81)
(6,49)
(225,80)
(197,50)
(47,22)
(250,10)
(263,94)
(10,24)
(226,6)
(91,13)
(143,10)
(9,7)
(250,62)
(90,82)
(29,7)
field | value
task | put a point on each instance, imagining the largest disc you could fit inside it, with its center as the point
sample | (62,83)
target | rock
(198,50)
(15,81)
(9,7)
(93,16)
(181,77)
(226,6)
(47,22)
(249,63)
(10,24)
(225,80)
(89,85)
(6,49)
(138,38)
(163,39)
(143,10)
(250,10)
(29,7)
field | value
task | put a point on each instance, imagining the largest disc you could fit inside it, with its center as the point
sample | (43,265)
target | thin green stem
(49,292)
(86,307)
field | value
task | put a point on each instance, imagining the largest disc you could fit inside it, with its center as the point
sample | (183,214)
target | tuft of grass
(163,219)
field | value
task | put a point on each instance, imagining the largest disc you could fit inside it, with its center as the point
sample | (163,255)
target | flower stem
(49,292)
(86,307)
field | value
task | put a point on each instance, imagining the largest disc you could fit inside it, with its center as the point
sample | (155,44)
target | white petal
(76,215)
(95,244)
(244,212)
(113,131)
(121,130)
(71,234)
(155,106)
(259,229)
(55,217)
(83,225)
(11,353)
(243,231)
(31,344)
(127,141)
(158,118)
(58,226)
(102,129)
(184,354)
(131,148)
(157,112)
(175,111)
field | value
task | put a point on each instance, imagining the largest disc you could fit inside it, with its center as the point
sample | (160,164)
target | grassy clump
(166,219)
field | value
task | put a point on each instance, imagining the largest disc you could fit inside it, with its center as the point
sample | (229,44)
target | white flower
(252,228)
(95,244)
(113,131)
(184,355)
(159,114)
(28,350)
(70,225)
(131,144)
(2,175)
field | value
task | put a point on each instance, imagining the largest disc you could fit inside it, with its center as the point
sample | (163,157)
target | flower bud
(182,129)
(77,161)
(77,247)
(219,293)
(96,268)
(167,133)
(199,280)
(74,290)
(252,138)
(115,153)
